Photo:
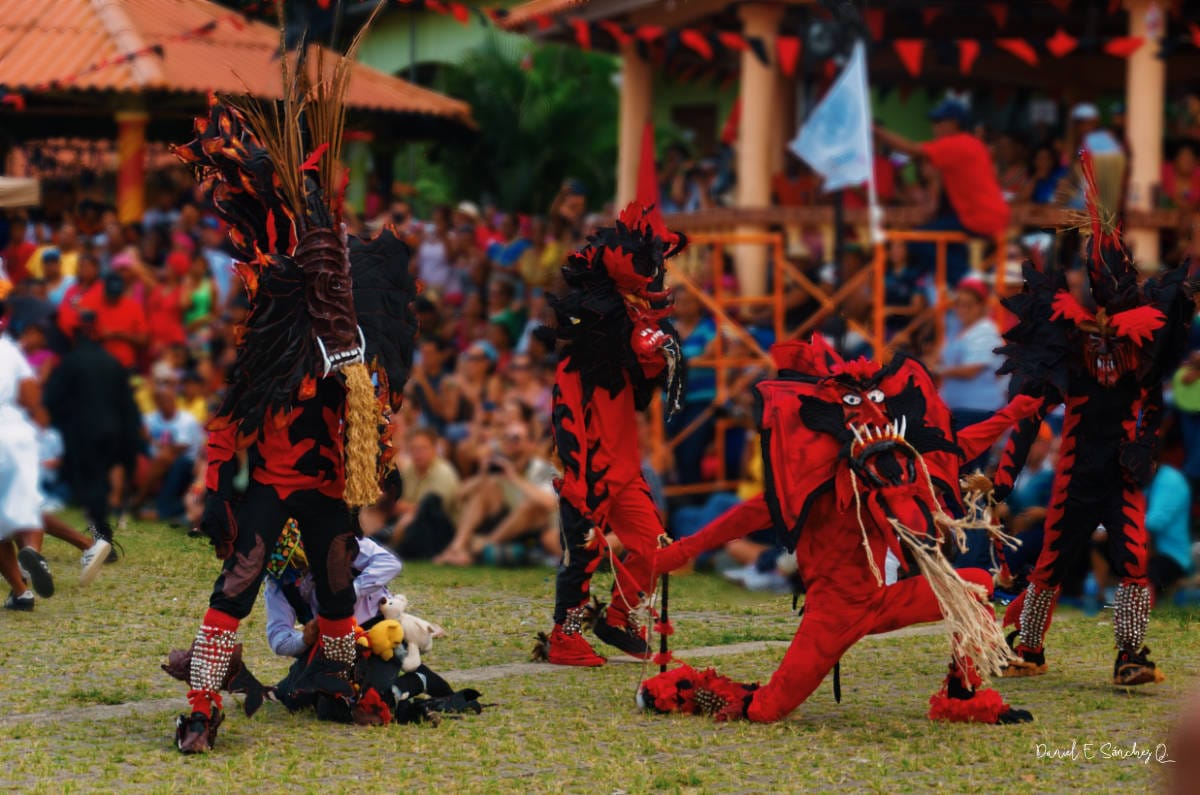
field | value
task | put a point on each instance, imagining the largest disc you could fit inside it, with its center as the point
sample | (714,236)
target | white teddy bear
(418,633)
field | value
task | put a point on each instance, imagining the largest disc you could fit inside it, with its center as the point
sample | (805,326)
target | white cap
(1085,111)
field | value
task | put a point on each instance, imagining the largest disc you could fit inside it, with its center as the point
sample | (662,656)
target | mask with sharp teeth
(322,257)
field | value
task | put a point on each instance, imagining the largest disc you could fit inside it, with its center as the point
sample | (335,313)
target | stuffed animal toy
(383,638)
(418,633)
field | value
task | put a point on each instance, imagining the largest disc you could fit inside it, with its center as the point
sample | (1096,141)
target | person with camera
(511,499)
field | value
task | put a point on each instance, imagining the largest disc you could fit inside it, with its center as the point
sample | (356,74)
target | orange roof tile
(524,14)
(49,40)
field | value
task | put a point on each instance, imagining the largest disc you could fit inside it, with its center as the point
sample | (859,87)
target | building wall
(440,39)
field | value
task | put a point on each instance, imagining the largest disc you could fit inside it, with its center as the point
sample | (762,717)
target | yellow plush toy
(383,639)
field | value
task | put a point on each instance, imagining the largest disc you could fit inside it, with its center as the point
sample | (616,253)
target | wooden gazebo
(130,69)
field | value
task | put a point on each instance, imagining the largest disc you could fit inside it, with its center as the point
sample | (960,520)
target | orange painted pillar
(1145,89)
(131,165)
(757,133)
(634,112)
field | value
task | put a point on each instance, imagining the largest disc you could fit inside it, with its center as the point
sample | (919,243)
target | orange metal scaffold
(735,355)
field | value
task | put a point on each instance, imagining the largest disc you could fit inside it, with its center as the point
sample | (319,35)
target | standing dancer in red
(616,350)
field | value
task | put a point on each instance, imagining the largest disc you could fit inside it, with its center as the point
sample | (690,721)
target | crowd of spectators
(474,464)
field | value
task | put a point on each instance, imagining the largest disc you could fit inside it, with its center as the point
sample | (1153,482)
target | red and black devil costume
(1106,364)
(860,459)
(616,350)
(328,315)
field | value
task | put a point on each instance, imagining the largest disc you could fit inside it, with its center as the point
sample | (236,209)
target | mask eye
(875,396)
(852,400)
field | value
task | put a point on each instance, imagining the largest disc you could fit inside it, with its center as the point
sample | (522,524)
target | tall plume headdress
(321,303)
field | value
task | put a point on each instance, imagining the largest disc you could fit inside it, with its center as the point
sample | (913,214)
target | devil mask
(873,436)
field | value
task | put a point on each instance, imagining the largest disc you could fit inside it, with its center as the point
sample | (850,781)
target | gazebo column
(1145,87)
(131,165)
(757,133)
(636,92)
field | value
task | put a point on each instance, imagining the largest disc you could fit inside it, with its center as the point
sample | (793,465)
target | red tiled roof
(523,15)
(48,40)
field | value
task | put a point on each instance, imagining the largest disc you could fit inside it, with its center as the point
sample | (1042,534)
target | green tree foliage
(545,114)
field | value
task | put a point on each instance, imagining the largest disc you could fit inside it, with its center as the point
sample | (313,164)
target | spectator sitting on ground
(176,441)
(512,498)
(428,501)
(291,598)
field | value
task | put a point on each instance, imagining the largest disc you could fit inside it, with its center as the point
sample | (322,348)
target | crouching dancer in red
(300,399)
(861,460)
(617,349)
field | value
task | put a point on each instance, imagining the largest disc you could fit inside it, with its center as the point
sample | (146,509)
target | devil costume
(300,399)
(616,350)
(1107,367)
(860,459)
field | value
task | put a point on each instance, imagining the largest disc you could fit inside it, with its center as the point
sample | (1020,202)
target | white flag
(836,138)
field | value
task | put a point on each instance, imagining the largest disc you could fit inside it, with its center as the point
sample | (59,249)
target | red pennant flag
(1019,48)
(930,14)
(695,40)
(1194,30)
(583,34)
(910,52)
(613,29)
(17,101)
(875,19)
(968,51)
(648,33)
(788,50)
(1061,43)
(999,12)
(1124,46)
(461,13)
(731,41)
(1061,5)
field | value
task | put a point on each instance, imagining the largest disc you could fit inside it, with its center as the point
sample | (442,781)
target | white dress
(20,497)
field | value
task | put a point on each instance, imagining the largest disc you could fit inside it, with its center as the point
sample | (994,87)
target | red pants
(833,622)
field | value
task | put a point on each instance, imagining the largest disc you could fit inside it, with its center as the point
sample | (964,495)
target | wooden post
(131,165)
(756,133)
(1145,87)
(636,91)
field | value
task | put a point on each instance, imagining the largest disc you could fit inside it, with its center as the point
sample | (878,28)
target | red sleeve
(223,445)
(940,151)
(976,439)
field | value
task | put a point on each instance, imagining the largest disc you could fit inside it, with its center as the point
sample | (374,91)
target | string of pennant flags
(660,44)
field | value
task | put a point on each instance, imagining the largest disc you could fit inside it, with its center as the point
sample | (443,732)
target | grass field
(86,708)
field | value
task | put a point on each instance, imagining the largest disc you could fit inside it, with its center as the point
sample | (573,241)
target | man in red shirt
(120,321)
(18,251)
(969,197)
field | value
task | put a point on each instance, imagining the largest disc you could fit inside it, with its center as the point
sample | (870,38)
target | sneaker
(572,649)
(197,733)
(24,602)
(39,571)
(1135,668)
(104,533)
(1027,663)
(92,560)
(625,637)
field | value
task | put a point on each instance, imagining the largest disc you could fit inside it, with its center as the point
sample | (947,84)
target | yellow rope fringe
(362,438)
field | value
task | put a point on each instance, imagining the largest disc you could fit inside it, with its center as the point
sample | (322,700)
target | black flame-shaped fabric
(592,317)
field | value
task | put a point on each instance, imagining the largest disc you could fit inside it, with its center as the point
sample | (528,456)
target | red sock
(336,627)
(220,620)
